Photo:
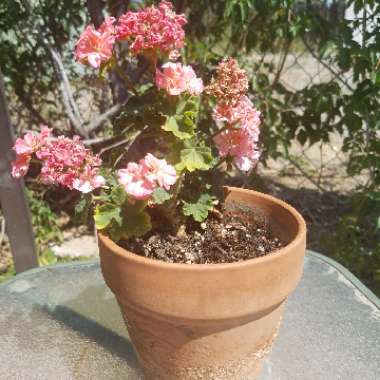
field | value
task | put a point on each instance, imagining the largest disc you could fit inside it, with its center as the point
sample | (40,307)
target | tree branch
(99,120)
(95,8)
(65,89)
(282,62)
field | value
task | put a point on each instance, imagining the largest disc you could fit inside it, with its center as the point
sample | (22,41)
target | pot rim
(300,236)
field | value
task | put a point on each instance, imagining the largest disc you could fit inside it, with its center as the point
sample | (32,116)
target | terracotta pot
(208,321)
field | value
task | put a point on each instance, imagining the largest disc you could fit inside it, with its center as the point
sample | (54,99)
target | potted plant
(201,271)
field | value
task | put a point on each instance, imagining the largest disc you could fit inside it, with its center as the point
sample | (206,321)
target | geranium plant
(166,171)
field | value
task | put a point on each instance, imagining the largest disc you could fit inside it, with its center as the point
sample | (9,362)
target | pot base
(247,368)
(215,351)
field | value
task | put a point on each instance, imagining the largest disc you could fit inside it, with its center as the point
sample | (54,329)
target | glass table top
(61,322)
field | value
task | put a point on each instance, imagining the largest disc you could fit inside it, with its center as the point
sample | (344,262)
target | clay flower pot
(208,321)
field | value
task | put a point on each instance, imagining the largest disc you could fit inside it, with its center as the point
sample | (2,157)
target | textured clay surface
(208,321)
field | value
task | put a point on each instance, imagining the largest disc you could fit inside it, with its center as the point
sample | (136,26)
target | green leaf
(118,195)
(179,126)
(48,257)
(136,223)
(195,158)
(200,209)
(105,214)
(82,205)
(160,196)
(82,208)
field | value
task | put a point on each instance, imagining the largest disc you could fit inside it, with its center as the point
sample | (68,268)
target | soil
(225,239)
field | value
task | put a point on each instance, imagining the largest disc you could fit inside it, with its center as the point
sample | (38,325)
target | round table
(62,323)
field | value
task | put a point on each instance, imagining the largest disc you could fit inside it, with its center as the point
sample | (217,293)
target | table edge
(339,267)
(369,294)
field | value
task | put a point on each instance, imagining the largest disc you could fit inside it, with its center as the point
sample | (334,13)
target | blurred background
(314,73)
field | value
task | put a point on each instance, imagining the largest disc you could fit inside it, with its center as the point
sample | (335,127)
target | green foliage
(183,123)
(178,127)
(26,65)
(119,216)
(200,208)
(136,222)
(195,157)
(160,196)
(356,241)
(254,30)
(107,214)
(249,30)
(8,274)
(82,208)
(44,221)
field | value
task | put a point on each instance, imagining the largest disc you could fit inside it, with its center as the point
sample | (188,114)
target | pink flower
(171,78)
(241,113)
(195,86)
(94,46)
(135,182)
(241,138)
(87,185)
(140,180)
(152,28)
(67,162)
(160,171)
(25,147)
(176,78)
(31,142)
(20,165)
(239,144)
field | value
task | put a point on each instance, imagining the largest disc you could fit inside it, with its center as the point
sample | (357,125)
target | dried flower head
(230,83)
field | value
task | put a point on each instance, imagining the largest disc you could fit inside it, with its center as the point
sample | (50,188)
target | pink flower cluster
(69,163)
(94,46)
(239,144)
(240,139)
(176,78)
(140,180)
(25,147)
(153,28)
(65,161)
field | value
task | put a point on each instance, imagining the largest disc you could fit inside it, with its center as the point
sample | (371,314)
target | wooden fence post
(12,197)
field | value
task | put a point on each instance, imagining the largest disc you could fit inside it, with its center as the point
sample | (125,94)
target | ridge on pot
(215,320)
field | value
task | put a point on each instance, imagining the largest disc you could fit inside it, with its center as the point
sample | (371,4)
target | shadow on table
(82,315)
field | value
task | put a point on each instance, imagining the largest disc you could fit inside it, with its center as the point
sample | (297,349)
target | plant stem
(219,131)
(125,77)
(169,211)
